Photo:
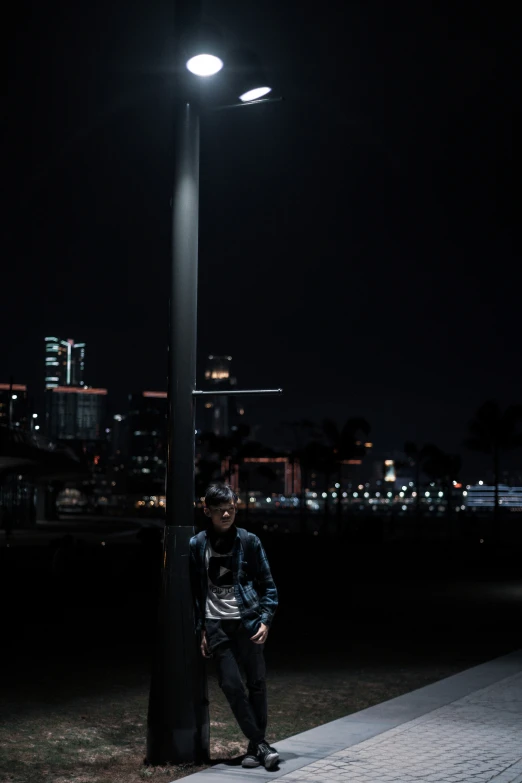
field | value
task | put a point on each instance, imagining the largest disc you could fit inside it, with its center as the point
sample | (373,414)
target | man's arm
(266,588)
(195,585)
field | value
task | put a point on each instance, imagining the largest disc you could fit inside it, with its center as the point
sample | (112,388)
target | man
(235,600)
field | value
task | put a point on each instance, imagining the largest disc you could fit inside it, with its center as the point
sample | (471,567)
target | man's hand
(205,650)
(260,636)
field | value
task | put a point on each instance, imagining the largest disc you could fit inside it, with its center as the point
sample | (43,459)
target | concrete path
(464,729)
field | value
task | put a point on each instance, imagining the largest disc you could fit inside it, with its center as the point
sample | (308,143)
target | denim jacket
(257,600)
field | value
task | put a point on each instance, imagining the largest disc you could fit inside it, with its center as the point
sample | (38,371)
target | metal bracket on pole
(245,103)
(236,391)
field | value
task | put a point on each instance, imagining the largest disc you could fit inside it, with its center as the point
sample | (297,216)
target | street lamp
(202,49)
(250,79)
(178,722)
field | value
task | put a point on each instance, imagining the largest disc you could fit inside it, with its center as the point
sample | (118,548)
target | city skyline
(347,235)
(64,418)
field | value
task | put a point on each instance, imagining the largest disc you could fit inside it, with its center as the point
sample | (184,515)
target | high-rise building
(64,363)
(75,413)
(220,413)
(14,405)
(146,424)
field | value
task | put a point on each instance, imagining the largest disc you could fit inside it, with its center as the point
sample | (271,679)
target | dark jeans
(230,643)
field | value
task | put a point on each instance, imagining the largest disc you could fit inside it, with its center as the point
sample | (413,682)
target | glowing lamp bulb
(254,95)
(204,65)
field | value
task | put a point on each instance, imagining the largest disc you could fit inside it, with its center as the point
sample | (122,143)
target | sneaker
(251,759)
(267,755)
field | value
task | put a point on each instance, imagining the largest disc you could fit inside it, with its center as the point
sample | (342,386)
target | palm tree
(345,444)
(305,432)
(319,457)
(444,469)
(492,431)
(417,455)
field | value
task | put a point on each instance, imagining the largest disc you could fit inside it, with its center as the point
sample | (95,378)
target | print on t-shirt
(221,599)
(220,576)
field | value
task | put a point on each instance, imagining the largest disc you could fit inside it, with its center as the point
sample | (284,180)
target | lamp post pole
(178,729)
(178,722)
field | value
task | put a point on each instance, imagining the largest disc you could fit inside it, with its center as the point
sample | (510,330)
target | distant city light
(334,494)
(427,494)
(464,493)
(404,508)
(15,396)
(481,483)
(360,486)
(356,494)
(337,486)
(404,489)
(269,500)
(441,494)
(35,415)
(414,494)
(401,494)
(324,495)
(37,427)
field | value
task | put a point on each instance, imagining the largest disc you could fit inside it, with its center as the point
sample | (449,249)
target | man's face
(222,516)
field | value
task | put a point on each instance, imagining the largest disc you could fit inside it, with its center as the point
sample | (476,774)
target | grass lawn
(100,738)
(75,693)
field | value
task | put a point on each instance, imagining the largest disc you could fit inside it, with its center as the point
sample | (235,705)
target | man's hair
(219,493)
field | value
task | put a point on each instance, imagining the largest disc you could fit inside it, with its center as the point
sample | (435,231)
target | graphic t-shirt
(221,601)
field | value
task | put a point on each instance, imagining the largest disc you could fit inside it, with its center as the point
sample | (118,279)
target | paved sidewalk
(464,729)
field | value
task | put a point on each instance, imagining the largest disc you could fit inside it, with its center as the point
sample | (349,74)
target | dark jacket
(256,594)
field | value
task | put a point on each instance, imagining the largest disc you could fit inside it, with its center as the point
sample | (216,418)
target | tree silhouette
(304,432)
(444,469)
(493,431)
(417,456)
(344,444)
(318,456)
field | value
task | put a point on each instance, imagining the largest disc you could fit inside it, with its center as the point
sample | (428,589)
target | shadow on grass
(228,762)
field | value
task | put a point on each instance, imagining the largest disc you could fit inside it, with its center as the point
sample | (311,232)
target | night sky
(356,240)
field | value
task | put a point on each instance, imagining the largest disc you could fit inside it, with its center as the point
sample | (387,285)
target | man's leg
(253,660)
(231,683)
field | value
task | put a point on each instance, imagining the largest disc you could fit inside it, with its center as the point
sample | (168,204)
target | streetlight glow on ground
(204,64)
(253,95)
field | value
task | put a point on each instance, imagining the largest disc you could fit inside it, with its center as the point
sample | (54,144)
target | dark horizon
(355,240)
